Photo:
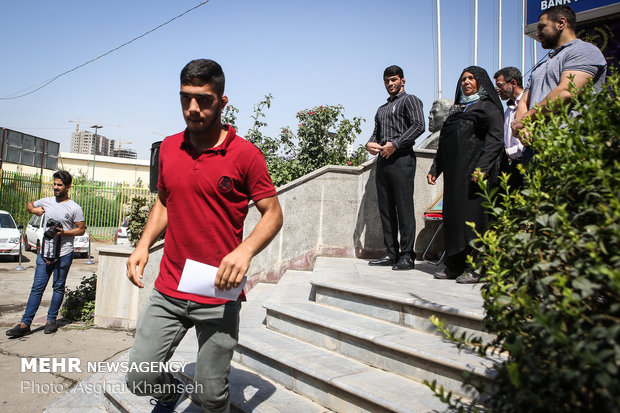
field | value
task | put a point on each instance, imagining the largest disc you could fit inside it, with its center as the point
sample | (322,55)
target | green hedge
(552,260)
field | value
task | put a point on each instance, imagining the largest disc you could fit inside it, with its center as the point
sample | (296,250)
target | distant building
(125,153)
(84,142)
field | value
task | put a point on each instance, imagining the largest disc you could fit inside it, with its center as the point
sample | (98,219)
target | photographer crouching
(64,220)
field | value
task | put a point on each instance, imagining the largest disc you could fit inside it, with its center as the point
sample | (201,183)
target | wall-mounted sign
(586,10)
(23,149)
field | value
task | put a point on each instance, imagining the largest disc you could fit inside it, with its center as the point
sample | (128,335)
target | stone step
(108,392)
(406,298)
(249,392)
(331,379)
(402,350)
(396,348)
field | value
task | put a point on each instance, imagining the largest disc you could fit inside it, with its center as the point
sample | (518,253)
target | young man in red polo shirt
(207,176)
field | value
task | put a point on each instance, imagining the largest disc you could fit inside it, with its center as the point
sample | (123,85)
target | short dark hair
(393,71)
(204,71)
(64,176)
(510,73)
(554,13)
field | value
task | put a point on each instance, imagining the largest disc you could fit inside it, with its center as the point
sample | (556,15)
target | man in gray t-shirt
(66,213)
(570,60)
(56,253)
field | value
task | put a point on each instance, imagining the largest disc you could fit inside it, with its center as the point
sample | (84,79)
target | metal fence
(105,204)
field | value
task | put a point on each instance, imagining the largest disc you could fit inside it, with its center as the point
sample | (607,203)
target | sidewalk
(30,391)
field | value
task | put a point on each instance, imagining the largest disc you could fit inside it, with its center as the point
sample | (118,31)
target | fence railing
(105,204)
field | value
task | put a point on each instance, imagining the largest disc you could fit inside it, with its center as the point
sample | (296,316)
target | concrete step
(391,347)
(334,380)
(329,378)
(108,392)
(402,350)
(406,298)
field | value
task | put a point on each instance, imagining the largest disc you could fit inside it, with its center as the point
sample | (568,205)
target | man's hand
(79,230)
(519,131)
(135,266)
(232,268)
(235,265)
(373,147)
(387,150)
(517,127)
(431,179)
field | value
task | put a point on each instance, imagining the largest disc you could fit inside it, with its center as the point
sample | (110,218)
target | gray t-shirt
(574,55)
(68,213)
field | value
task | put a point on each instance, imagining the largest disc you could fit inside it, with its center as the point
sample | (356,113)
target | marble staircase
(344,337)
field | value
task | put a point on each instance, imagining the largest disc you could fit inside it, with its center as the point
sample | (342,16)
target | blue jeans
(42,274)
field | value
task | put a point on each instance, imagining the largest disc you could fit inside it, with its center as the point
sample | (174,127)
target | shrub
(552,266)
(323,137)
(79,304)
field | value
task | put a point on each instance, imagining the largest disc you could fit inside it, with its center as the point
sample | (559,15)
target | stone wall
(332,211)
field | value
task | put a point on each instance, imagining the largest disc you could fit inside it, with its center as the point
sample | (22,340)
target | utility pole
(499,60)
(440,91)
(96,128)
(475,32)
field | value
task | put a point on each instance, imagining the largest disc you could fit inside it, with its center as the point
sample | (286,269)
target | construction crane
(122,143)
(77,124)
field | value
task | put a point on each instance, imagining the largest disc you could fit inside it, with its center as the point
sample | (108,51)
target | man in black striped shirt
(397,125)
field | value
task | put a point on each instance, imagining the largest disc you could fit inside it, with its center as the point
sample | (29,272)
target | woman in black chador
(471,138)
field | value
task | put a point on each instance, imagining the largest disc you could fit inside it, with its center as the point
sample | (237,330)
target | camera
(52,229)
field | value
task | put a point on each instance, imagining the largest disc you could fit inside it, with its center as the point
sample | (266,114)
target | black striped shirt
(400,121)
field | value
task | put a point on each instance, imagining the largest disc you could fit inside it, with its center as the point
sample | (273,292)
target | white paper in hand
(198,278)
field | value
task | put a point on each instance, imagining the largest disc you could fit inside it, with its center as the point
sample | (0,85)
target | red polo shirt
(208,195)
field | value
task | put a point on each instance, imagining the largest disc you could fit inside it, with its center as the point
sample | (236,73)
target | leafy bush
(323,138)
(79,304)
(552,266)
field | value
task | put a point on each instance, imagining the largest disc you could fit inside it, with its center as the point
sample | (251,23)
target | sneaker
(168,407)
(446,275)
(468,278)
(51,327)
(18,331)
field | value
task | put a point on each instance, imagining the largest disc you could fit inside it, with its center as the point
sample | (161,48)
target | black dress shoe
(404,263)
(51,327)
(383,261)
(18,331)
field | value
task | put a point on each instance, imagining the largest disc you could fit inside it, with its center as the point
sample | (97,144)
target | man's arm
(80,229)
(372,146)
(561,91)
(234,265)
(155,225)
(523,104)
(34,210)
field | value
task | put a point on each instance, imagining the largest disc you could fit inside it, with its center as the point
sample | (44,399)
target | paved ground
(29,391)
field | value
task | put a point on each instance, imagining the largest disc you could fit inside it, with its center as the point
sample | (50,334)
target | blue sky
(305,53)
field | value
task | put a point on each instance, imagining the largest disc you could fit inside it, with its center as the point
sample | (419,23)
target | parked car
(9,236)
(121,236)
(34,235)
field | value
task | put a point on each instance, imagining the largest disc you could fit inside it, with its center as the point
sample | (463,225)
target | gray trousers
(162,324)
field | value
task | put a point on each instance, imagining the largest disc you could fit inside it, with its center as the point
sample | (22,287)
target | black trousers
(394,182)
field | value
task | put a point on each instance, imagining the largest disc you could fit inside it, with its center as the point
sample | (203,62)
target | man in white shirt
(509,86)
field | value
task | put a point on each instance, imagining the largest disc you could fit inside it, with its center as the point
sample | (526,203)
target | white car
(9,236)
(121,236)
(34,235)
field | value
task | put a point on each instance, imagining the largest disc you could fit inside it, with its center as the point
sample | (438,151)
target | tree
(323,137)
